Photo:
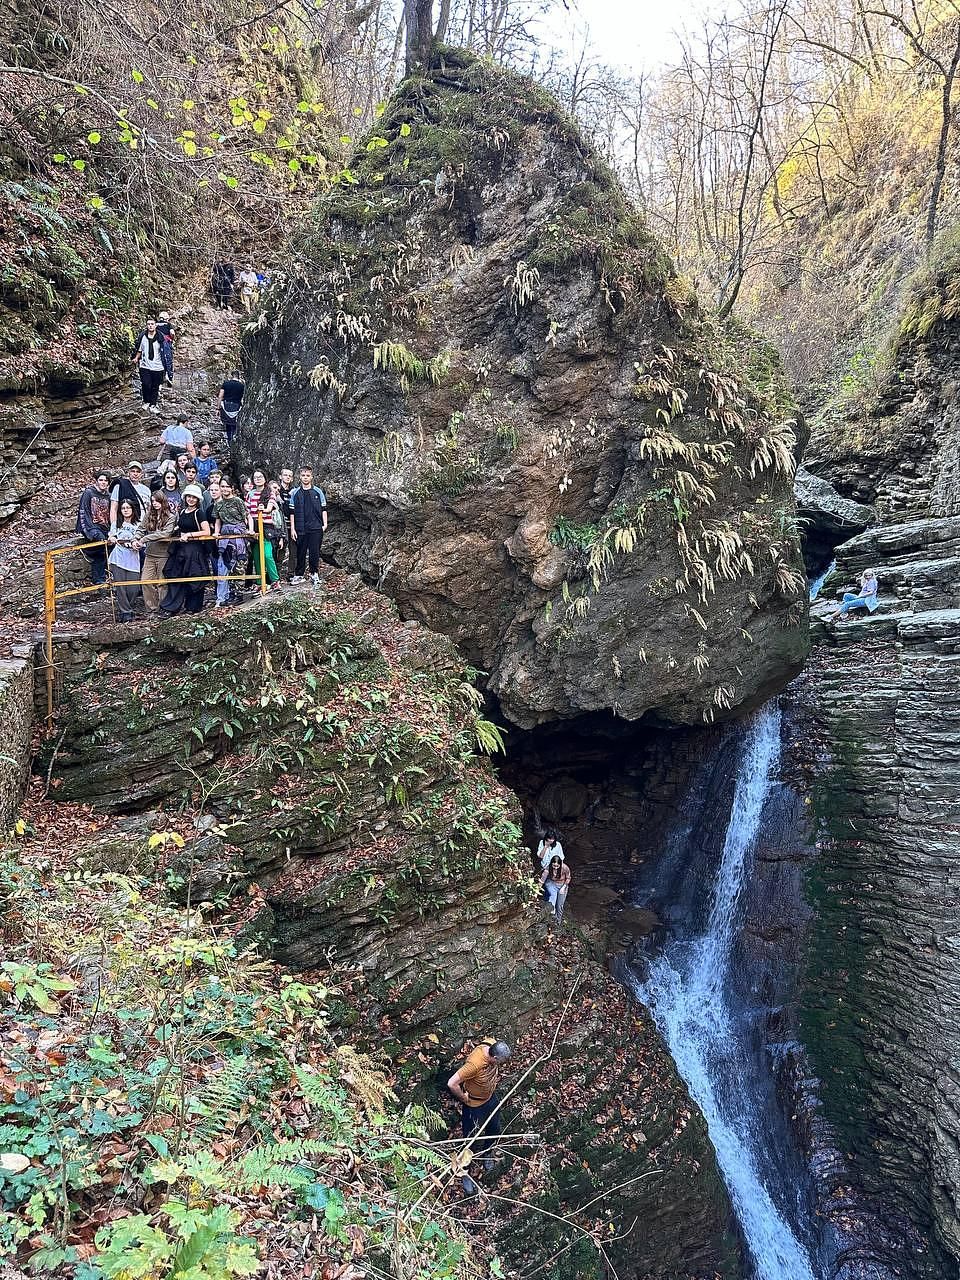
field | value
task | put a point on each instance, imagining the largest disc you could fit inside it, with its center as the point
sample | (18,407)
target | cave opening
(615,792)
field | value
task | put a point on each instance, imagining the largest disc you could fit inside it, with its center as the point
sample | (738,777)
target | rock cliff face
(325,752)
(530,436)
(880,1010)
(900,448)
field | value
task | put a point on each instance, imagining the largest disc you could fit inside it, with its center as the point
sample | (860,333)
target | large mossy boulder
(309,766)
(531,436)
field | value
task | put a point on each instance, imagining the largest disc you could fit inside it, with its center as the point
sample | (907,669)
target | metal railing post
(263,558)
(49,615)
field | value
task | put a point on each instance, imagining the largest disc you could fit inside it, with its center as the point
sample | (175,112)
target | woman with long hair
(865,598)
(230,525)
(171,488)
(124,559)
(268,507)
(188,556)
(156,531)
(556,881)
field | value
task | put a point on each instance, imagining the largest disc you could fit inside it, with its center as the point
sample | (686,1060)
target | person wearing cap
(176,438)
(131,486)
(188,557)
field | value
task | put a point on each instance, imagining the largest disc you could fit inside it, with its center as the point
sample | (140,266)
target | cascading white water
(686,989)
(818,582)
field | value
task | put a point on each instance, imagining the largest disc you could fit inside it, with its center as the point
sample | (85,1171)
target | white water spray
(817,583)
(687,992)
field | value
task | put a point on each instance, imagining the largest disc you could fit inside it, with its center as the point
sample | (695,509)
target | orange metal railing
(51,596)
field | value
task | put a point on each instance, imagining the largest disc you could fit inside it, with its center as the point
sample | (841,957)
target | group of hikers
(246,284)
(160,538)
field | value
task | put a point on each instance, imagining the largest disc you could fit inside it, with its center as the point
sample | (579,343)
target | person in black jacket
(93,525)
(230,400)
(153,357)
(222,280)
(308,520)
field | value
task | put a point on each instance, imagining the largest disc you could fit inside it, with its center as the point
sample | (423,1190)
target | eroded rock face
(529,435)
(333,792)
(882,1017)
(827,517)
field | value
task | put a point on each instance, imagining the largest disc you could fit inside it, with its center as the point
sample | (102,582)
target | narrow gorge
(271,871)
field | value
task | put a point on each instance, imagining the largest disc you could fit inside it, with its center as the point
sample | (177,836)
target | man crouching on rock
(474,1085)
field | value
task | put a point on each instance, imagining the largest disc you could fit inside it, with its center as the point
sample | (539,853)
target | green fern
(489,737)
(322,1094)
(395,357)
(221,1102)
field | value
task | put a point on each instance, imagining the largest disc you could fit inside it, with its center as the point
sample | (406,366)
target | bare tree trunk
(737,269)
(419,20)
(443,21)
(941,165)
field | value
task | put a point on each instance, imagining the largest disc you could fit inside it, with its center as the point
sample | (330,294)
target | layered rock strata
(326,756)
(530,435)
(880,1010)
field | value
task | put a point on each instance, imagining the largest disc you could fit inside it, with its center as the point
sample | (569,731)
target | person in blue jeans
(865,598)
(556,882)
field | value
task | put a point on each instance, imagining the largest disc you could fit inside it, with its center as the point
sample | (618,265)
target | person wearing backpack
(168,333)
(93,525)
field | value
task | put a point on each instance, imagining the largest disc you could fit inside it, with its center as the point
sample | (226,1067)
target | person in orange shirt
(474,1086)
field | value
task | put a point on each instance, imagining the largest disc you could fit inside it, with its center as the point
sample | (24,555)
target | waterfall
(687,990)
(818,581)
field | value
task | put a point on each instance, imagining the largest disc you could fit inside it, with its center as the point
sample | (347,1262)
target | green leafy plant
(190,1244)
(34,984)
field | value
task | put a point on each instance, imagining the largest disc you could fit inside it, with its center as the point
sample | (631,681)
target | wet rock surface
(530,436)
(880,1014)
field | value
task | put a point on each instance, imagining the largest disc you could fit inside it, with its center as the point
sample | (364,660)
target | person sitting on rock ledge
(474,1086)
(865,598)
